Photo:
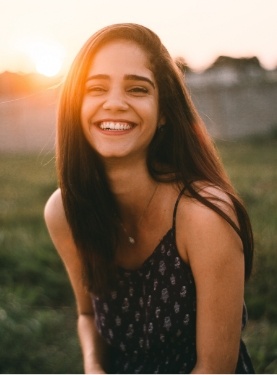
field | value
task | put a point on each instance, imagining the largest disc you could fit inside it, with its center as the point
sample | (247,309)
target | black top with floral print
(148,319)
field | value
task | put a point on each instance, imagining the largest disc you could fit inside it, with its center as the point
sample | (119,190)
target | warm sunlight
(188,28)
(47,57)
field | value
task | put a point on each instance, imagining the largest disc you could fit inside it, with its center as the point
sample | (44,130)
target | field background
(37,310)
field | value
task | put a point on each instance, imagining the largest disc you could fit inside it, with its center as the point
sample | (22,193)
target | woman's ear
(162,121)
(161,124)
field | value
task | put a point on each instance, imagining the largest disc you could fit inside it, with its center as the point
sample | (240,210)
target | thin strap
(176,206)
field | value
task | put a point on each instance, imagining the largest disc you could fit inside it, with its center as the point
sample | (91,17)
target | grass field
(37,312)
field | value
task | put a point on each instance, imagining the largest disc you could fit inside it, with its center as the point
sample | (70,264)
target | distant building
(235,97)
(229,71)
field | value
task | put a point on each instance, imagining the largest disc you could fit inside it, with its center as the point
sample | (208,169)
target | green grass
(37,308)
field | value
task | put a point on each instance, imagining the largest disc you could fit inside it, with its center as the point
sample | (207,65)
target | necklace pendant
(131,240)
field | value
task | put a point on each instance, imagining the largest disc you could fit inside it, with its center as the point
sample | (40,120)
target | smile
(115,126)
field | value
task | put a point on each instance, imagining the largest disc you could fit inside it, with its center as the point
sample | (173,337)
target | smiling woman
(120,109)
(46,56)
(156,243)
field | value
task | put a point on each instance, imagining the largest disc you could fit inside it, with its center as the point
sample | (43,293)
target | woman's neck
(131,185)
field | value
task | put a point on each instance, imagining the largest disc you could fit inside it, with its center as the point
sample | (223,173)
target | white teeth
(108,125)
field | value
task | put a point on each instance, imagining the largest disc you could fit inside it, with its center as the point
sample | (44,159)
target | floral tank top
(148,319)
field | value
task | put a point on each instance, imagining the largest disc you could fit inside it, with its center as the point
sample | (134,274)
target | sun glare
(47,57)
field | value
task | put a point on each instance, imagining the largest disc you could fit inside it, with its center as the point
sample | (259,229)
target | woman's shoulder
(212,193)
(54,214)
(54,206)
(192,210)
(59,228)
(202,228)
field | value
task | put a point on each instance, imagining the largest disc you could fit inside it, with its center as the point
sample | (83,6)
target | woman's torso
(149,317)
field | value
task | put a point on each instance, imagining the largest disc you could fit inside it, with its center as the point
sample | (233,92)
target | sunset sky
(45,35)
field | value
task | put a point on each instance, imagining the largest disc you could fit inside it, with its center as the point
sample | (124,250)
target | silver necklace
(131,239)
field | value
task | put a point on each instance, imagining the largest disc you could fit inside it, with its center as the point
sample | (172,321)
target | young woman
(156,243)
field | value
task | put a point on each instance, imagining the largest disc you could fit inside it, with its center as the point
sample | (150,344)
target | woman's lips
(115,125)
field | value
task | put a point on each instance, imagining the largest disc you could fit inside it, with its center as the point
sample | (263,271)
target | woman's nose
(115,101)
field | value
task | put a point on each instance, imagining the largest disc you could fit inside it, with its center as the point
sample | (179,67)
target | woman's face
(120,112)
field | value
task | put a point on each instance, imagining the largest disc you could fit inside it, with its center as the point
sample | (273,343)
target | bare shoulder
(201,232)
(214,193)
(54,213)
(216,196)
(58,226)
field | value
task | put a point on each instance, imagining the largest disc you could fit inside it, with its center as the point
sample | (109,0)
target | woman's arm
(214,252)
(93,348)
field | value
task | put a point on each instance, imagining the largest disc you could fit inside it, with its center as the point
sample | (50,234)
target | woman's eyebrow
(135,77)
(128,77)
(97,76)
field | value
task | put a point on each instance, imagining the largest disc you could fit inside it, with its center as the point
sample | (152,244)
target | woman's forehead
(121,55)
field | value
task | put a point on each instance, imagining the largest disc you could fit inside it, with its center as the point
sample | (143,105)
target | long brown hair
(183,146)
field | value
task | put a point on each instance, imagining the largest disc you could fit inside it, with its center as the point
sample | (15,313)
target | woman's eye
(138,90)
(96,90)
